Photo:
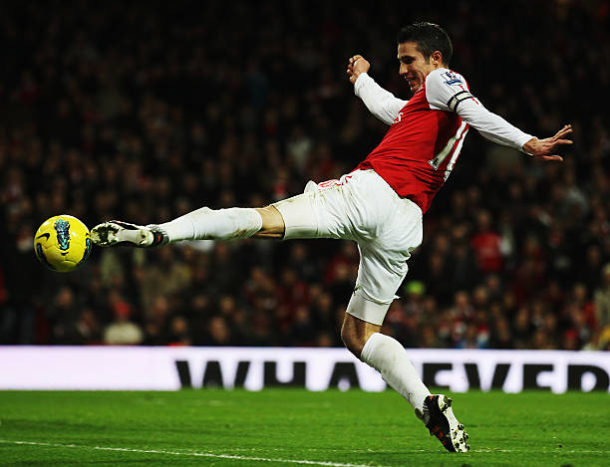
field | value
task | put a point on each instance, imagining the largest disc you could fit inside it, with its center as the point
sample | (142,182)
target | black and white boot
(119,233)
(440,420)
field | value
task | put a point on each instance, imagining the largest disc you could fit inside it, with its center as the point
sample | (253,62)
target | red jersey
(423,143)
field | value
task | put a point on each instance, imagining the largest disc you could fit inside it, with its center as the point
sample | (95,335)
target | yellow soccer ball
(62,243)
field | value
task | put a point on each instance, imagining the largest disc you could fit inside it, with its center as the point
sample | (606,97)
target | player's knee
(352,340)
(358,323)
(355,333)
(272,223)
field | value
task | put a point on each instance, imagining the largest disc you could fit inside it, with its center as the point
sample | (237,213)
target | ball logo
(62,227)
(41,256)
(87,251)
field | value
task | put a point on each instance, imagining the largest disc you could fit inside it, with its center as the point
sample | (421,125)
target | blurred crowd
(146,111)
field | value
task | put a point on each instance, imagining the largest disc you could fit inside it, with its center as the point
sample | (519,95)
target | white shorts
(360,206)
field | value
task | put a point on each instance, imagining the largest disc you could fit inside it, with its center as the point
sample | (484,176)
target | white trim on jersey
(455,154)
(438,160)
(381,103)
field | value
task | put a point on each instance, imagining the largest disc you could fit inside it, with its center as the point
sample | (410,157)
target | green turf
(199,426)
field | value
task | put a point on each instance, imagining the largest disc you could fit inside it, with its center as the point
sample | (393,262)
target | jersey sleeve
(449,91)
(492,126)
(446,90)
(380,102)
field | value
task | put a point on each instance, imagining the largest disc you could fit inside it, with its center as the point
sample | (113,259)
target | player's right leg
(362,336)
(383,267)
(442,423)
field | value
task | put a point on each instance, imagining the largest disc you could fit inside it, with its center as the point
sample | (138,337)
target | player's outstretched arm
(453,95)
(380,102)
(544,148)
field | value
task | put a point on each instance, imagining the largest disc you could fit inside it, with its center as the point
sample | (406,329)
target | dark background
(145,111)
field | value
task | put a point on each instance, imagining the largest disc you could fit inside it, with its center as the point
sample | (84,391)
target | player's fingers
(563,133)
(566,130)
(553,157)
(354,58)
(559,139)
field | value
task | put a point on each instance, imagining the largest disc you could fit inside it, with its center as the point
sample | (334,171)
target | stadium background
(143,112)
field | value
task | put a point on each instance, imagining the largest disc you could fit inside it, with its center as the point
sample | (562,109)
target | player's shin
(209,224)
(390,358)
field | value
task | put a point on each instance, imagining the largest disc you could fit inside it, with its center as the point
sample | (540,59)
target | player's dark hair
(429,37)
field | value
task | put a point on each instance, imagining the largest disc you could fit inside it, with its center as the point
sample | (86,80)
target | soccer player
(379,205)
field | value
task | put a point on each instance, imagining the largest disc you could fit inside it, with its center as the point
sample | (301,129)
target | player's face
(413,65)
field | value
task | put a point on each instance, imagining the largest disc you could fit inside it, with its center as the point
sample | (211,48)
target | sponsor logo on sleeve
(450,78)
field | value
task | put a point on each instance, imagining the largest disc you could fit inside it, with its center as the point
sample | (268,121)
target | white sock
(389,358)
(209,224)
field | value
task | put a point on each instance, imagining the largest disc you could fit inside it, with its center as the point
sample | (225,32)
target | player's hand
(544,148)
(356,65)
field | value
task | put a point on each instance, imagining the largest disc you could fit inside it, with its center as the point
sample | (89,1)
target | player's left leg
(308,215)
(201,224)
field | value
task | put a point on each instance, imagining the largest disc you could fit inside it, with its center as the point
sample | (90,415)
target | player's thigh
(383,263)
(381,272)
(383,260)
(316,214)
(379,276)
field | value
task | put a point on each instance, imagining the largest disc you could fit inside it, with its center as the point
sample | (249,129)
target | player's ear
(436,58)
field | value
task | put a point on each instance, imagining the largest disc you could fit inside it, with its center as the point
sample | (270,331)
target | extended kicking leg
(119,233)
(201,224)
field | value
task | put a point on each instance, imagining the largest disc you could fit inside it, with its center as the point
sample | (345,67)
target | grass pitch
(295,427)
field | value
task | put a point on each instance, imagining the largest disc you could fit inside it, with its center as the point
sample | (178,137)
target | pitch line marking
(177,453)
(259,459)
